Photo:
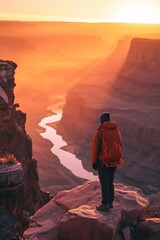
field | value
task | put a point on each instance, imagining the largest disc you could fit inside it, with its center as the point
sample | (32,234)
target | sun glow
(137,12)
(130,11)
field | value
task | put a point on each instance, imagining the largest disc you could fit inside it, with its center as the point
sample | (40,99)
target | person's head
(105,117)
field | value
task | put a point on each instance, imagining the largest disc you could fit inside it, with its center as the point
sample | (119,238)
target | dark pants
(106,177)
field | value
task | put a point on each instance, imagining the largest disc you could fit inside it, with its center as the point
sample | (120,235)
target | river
(67,159)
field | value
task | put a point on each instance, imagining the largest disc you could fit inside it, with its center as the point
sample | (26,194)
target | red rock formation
(11,188)
(14,139)
(11,199)
(72,215)
(138,82)
(144,53)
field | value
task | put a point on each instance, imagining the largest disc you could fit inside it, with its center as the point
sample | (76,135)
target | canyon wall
(17,143)
(133,102)
(138,81)
(11,199)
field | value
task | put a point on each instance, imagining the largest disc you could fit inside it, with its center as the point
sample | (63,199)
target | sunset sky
(143,11)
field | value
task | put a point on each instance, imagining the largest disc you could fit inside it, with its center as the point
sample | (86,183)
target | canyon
(133,101)
(138,120)
(125,83)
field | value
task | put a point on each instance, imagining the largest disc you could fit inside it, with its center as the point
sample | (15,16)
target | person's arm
(119,136)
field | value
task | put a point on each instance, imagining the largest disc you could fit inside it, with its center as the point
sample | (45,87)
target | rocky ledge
(11,200)
(72,215)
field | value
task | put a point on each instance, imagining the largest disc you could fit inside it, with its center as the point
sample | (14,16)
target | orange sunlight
(132,11)
(137,12)
(36,18)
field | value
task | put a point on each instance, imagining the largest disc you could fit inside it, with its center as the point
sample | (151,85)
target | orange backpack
(111,144)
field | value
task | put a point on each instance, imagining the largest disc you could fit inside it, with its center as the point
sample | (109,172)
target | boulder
(44,224)
(154,199)
(72,214)
(88,224)
(148,229)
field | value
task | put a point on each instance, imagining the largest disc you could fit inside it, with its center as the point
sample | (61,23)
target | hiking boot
(102,207)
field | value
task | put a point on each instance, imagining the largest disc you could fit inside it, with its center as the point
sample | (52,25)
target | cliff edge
(22,192)
(72,215)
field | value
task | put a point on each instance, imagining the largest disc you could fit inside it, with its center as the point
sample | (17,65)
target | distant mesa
(144,53)
(14,44)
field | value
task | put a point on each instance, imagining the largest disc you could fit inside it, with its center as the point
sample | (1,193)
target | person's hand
(94,166)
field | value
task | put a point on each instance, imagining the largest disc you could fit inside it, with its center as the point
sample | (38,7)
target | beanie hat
(105,117)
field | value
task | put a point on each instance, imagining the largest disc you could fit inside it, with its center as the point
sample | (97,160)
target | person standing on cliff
(103,160)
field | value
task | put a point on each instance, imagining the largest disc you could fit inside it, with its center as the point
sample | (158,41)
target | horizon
(77,21)
(133,11)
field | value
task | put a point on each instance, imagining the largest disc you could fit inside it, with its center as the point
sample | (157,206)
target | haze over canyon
(85,69)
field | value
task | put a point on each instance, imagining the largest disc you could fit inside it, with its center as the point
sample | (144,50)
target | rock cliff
(72,215)
(139,77)
(15,141)
(133,102)
(144,53)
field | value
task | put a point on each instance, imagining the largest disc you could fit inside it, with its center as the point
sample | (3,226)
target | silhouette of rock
(148,230)
(138,81)
(19,183)
(7,221)
(11,198)
(14,139)
(144,53)
(72,214)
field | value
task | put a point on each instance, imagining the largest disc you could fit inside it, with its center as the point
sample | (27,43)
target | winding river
(69,160)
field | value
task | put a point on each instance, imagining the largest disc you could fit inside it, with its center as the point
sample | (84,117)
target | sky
(142,11)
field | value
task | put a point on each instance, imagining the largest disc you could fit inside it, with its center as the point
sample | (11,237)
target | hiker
(106,157)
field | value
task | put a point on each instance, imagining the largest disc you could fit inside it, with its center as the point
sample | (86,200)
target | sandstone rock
(154,199)
(127,233)
(154,208)
(7,221)
(11,188)
(79,219)
(148,230)
(44,224)
(14,139)
(3,104)
(3,94)
(144,53)
(7,70)
(133,203)
(86,193)
(88,224)
(19,183)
